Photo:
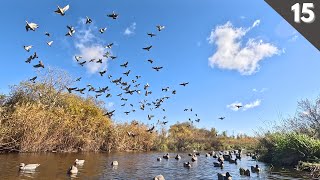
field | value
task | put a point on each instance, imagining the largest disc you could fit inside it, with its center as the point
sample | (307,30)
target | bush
(289,148)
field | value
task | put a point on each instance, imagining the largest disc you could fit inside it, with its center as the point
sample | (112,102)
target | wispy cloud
(233,106)
(232,55)
(130,30)
(259,90)
(89,46)
(110,104)
(250,105)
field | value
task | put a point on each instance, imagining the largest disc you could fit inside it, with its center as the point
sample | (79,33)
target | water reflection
(131,166)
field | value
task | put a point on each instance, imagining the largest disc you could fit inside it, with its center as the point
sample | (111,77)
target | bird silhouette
(33,79)
(222,118)
(27,48)
(113,15)
(82,63)
(49,43)
(88,20)
(62,11)
(109,46)
(125,65)
(77,58)
(102,30)
(151,34)
(147,48)
(160,27)
(102,72)
(157,68)
(127,73)
(184,84)
(31,26)
(39,65)
(71,89)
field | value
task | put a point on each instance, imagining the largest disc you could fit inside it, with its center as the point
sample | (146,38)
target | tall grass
(289,148)
(42,116)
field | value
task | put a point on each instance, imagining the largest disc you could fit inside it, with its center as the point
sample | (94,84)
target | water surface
(132,166)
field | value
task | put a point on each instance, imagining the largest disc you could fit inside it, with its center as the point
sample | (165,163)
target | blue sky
(283,65)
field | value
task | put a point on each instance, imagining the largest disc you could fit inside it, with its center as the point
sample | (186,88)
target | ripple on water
(132,166)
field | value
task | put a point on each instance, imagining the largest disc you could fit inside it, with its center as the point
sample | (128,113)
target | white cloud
(259,90)
(244,107)
(130,30)
(89,46)
(232,55)
(293,38)
(251,105)
(110,104)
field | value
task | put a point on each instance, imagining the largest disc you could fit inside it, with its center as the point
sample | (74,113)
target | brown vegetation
(43,116)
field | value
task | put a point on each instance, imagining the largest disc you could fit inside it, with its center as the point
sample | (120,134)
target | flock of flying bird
(127,88)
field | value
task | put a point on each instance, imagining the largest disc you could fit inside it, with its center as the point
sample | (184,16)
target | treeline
(43,116)
(296,142)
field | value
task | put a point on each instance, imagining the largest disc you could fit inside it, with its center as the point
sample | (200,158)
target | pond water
(132,166)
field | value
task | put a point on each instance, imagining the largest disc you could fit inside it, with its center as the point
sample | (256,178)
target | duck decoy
(159,177)
(231,161)
(255,169)
(226,176)
(28,167)
(218,164)
(166,156)
(187,164)
(73,170)
(194,158)
(79,162)
(178,157)
(115,163)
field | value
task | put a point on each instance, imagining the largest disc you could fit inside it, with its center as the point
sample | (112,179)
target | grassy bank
(43,116)
(296,142)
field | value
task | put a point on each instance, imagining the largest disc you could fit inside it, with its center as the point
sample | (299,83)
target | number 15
(306,10)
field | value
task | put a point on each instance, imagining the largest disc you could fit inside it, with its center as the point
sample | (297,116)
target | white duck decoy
(28,167)
(73,170)
(63,10)
(31,26)
(50,43)
(27,48)
(79,162)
